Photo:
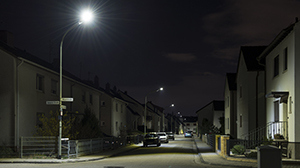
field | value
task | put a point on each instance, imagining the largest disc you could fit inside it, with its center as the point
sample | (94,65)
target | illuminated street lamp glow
(145,110)
(85,18)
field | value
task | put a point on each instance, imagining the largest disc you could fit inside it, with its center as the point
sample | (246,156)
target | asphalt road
(180,153)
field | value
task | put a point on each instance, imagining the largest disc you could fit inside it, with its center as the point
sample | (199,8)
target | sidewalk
(99,156)
(208,156)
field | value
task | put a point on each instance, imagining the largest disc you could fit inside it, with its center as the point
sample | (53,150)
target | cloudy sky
(186,46)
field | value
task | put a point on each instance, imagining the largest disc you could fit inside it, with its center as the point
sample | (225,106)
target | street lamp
(86,17)
(172,105)
(145,111)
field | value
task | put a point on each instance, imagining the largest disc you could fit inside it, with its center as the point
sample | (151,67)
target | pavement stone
(208,156)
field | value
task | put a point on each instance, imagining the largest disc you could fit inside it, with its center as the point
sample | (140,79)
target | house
(28,83)
(210,115)
(190,123)
(281,60)
(230,115)
(113,113)
(155,117)
(250,81)
(135,113)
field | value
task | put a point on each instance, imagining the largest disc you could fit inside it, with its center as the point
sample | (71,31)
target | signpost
(52,102)
(62,107)
(64,99)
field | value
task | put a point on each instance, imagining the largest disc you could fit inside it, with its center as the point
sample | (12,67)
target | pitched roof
(218,105)
(250,54)
(275,42)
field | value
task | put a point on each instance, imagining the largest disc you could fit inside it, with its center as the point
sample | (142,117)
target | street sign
(63,107)
(67,99)
(52,102)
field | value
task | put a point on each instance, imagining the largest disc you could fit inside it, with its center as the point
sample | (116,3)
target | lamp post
(145,111)
(85,18)
(172,105)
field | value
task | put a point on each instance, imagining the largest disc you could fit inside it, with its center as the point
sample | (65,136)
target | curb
(204,162)
(56,161)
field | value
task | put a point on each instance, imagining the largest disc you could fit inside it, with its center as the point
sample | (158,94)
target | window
(83,97)
(276,65)
(241,89)
(228,101)
(40,82)
(241,121)
(285,66)
(228,123)
(54,86)
(187,124)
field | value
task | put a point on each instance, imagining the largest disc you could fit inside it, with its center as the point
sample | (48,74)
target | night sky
(186,46)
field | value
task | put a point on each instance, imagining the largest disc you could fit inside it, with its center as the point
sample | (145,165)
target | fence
(46,146)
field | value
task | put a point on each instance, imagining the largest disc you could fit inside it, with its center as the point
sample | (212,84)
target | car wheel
(158,144)
(167,142)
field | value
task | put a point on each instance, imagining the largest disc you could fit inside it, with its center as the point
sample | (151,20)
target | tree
(88,126)
(50,123)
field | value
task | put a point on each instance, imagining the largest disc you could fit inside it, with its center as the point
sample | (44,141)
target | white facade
(211,112)
(282,86)
(230,116)
(250,92)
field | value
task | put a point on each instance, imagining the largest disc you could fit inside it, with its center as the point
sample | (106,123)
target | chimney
(7,37)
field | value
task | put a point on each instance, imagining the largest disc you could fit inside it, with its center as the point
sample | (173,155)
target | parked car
(170,135)
(163,137)
(151,139)
(188,135)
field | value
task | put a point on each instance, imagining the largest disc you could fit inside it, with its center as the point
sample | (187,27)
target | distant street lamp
(172,105)
(145,111)
(86,17)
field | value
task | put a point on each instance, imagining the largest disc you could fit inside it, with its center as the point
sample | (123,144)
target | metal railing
(46,146)
(271,131)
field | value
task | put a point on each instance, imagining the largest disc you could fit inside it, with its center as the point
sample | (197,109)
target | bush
(238,149)
(251,155)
